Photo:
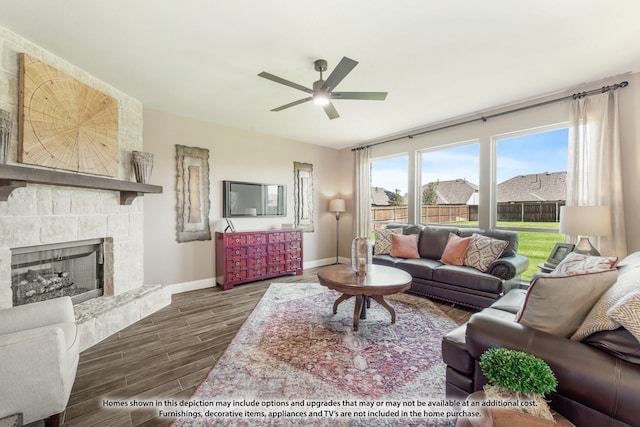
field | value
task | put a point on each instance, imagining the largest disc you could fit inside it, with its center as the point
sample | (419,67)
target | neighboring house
(380,196)
(537,187)
(455,192)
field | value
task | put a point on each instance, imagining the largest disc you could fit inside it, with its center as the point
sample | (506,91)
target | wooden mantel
(15,176)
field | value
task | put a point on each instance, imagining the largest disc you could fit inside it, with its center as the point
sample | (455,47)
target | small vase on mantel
(142,166)
(361,255)
(6,123)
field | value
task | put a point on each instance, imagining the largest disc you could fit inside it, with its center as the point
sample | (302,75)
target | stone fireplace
(54,212)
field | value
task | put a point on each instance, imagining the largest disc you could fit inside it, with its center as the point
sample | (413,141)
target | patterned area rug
(294,362)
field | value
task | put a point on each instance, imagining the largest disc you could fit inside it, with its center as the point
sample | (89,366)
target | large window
(531,186)
(389,182)
(449,192)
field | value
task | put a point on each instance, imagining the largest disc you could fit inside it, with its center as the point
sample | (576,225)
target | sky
(523,155)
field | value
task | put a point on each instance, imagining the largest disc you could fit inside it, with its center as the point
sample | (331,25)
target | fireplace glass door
(44,272)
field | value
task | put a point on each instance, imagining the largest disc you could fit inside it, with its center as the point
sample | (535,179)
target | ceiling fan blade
(292,104)
(282,81)
(331,111)
(343,68)
(369,96)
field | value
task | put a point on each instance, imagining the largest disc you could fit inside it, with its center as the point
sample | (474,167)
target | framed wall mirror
(303,195)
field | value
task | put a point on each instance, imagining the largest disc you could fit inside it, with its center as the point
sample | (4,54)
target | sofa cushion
(404,246)
(456,250)
(383,240)
(433,240)
(579,263)
(597,319)
(468,278)
(387,260)
(619,342)
(483,251)
(420,268)
(511,302)
(559,304)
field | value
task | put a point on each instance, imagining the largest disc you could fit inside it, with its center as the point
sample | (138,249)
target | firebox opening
(50,271)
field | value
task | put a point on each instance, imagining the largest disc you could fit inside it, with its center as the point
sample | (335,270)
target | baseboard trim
(178,288)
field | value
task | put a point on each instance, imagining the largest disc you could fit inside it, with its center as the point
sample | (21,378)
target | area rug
(294,362)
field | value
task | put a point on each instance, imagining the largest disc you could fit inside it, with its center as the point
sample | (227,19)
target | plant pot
(504,417)
(142,166)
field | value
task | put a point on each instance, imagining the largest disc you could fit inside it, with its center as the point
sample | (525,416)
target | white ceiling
(437,59)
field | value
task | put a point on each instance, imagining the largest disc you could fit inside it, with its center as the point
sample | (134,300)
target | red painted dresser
(246,256)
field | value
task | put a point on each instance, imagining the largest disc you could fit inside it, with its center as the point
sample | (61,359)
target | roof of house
(537,187)
(380,196)
(454,192)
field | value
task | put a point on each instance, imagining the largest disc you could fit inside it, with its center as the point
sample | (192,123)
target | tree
(429,195)
(396,199)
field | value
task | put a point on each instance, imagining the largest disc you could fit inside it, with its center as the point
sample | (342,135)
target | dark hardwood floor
(168,354)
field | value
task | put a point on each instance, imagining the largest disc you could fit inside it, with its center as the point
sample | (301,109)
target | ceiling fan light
(321,99)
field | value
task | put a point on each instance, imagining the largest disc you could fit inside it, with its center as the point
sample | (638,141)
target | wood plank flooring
(168,354)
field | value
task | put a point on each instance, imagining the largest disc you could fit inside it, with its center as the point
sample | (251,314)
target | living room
(145,251)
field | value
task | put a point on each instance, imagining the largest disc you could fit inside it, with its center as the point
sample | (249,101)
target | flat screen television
(251,199)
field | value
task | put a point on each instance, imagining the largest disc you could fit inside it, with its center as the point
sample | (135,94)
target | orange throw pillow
(456,250)
(404,246)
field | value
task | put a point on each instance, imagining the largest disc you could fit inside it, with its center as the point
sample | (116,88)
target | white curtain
(362,181)
(594,170)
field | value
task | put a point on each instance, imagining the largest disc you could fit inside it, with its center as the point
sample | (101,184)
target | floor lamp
(337,206)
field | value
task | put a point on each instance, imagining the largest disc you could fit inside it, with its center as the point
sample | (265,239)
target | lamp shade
(336,205)
(585,220)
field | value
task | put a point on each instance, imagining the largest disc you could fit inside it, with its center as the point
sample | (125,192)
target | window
(389,182)
(531,186)
(449,185)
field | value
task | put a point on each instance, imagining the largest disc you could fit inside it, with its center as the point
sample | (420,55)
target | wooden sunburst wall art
(65,124)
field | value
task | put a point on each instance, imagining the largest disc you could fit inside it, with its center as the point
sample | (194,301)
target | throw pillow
(575,263)
(627,313)
(383,240)
(559,304)
(404,246)
(597,320)
(483,251)
(456,250)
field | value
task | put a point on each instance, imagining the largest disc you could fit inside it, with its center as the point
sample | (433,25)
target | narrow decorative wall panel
(192,189)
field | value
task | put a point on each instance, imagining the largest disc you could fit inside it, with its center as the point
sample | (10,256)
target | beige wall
(236,155)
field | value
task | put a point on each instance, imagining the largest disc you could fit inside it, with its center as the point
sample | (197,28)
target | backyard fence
(444,214)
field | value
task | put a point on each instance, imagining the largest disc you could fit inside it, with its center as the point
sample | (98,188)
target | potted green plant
(518,379)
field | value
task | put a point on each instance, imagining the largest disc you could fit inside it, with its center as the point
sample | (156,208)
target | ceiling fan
(322,92)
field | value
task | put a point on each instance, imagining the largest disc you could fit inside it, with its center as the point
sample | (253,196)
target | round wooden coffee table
(380,281)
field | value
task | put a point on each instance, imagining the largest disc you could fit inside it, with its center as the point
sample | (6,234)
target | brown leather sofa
(598,378)
(458,284)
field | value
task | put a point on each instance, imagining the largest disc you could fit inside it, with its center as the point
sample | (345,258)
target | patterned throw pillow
(575,263)
(456,250)
(383,240)
(598,319)
(627,313)
(483,251)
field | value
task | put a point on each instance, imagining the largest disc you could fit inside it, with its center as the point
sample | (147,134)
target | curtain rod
(578,95)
